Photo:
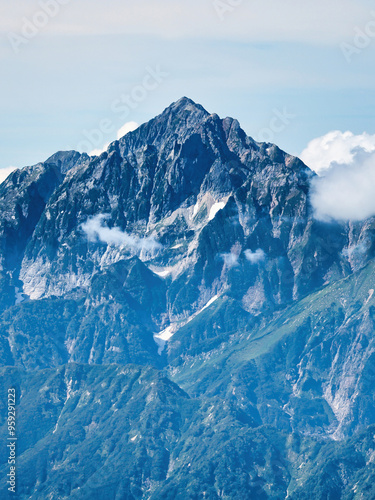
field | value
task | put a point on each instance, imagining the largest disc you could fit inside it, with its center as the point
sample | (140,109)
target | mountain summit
(183,323)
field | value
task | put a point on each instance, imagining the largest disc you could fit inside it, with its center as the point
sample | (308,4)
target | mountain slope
(177,323)
(203,206)
(310,367)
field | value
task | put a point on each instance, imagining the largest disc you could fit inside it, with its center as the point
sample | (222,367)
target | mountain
(177,324)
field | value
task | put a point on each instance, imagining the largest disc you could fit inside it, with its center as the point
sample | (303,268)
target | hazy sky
(289,71)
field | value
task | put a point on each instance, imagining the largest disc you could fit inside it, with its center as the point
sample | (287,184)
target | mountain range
(178,324)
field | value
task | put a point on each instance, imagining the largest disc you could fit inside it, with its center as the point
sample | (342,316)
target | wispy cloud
(355,250)
(230,259)
(255,257)
(96,231)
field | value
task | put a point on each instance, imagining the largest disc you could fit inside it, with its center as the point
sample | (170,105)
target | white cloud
(345,185)
(255,257)
(125,129)
(98,152)
(95,231)
(354,251)
(4,172)
(230,259)
(335,148)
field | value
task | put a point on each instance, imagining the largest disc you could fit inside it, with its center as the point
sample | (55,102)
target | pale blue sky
(253,62)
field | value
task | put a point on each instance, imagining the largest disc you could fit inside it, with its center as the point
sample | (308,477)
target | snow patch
(216,207)
(177,269)
(210,302)
(165,335)
(371,293)
(162,272)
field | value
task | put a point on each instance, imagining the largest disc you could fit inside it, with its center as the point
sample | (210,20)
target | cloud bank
(345,186)
(95,231)
(336,148)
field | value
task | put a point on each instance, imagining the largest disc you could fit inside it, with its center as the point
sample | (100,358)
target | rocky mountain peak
(186,106)
(191,248)
(172,126)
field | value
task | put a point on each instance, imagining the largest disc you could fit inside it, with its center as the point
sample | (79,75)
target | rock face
(191,248)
